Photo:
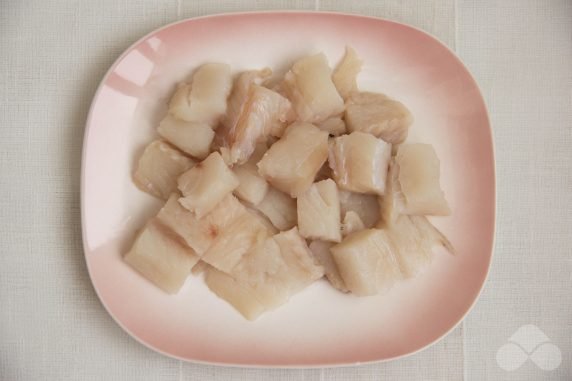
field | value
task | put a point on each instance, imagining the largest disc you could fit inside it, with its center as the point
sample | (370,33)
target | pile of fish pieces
(269,188)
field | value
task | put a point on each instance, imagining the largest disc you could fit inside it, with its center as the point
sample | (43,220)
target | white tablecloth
(54,53)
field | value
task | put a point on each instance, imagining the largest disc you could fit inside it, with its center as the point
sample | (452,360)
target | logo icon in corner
(529,342)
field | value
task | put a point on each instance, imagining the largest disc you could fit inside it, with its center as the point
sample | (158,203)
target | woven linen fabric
(53,55)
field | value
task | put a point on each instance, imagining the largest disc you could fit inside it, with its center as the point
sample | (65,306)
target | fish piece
(200,234)
(206,184)
(291,164)
(279,208)
(159,167)
(254,114)
(321,251)
(302,268)
(204,99)
(193,138)
(378,115)
(367,262)
(319,212)
(352,223)
(252,187)
(364,205)
(240,94)
(345,74)
(268,275)
(161,256)
(414,238)
(240,296)
(359,162)
(333,126)
(419,180)
(309,87)
(235,240)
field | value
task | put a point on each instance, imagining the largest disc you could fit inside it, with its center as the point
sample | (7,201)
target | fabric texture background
(53,55)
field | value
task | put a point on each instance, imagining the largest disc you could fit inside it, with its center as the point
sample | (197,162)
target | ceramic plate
(319,326)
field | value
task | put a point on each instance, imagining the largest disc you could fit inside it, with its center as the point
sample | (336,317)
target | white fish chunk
(192,138)
(252,187)
(200,234)
(237,294)
(240,94)
(322,253)
(378,115)
(256,112)
(161,256)
(204,99)
(346,72)
(319,212)
(367,262)
(279,208)
(235,240)
(267,276)
(159,167)
(310,88)
(359,162)
(302,268)
(291,164)
(414,238)
(206,184)
(419,177)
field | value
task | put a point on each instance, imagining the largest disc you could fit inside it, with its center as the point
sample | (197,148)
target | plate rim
(337,364)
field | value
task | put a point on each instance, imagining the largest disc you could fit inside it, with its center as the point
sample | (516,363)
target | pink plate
(320,326)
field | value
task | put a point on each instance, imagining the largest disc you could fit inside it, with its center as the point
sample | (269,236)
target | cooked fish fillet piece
(252,187)
(359,162)
(254,114)
(291,164)
(319,212)
(309,87)
(367,262)
(302,268)
(265,272)
(321,251)
(378,115)
(279,208)
(193,138)
(237,294)
(267,276)
(200,234)
(206,184)
(159,167)
(364,205)
(334,126)
(204,99)
(161,256)
(352,223)
(346,72)
(414,239)
(235,240)
(240,94)
(419,180)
